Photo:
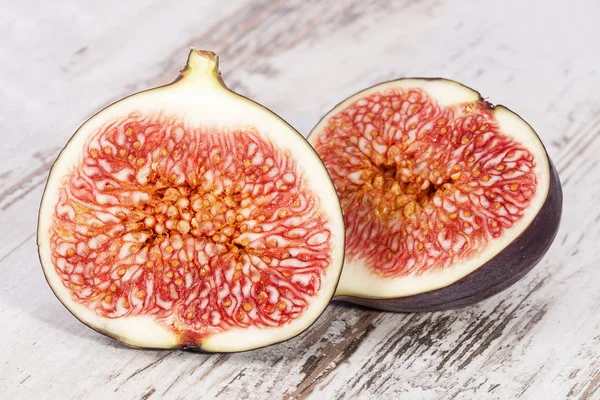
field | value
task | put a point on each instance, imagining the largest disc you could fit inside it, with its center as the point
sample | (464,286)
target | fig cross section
(435,184)
(189,216)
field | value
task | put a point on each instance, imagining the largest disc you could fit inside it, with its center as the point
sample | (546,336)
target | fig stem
(203,67)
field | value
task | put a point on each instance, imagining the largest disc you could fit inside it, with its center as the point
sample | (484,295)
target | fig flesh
(447,199)
(188,216)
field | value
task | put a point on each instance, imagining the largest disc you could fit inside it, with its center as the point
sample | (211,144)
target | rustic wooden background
(60,61)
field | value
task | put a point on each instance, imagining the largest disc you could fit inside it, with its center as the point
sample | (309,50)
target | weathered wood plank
(539,339)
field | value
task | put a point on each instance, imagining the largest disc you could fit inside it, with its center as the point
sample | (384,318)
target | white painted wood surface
(60,61)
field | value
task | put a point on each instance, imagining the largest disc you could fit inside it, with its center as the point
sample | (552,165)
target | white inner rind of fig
(367,279)
(203,104)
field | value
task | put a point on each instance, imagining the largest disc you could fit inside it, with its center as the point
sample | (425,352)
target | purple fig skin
(503,270)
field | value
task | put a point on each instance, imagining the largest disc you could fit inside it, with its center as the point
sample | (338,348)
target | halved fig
(188,216)
(447,199)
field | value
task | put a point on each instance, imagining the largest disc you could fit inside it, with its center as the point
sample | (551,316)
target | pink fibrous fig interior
(423,186)
(203,228)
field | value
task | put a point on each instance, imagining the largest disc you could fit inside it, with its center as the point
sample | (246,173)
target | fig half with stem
(188,216)
(447,199)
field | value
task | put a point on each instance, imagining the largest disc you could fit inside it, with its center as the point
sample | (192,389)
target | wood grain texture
(59,62)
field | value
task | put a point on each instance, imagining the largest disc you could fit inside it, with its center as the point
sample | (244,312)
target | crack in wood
(493,387)
(568,157)
(485,343)
(537,317)
(17,247)
(466,337)
(151,365)
(235,378)
(413,341)
(530,381)
(564,240)
(580,177)
(219,361)
(390,345)
(147,395)
(24,185)
(173,383)
(593,388)
(317,368)
(197,366)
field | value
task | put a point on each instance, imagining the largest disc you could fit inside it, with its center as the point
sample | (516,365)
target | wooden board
(60,61)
